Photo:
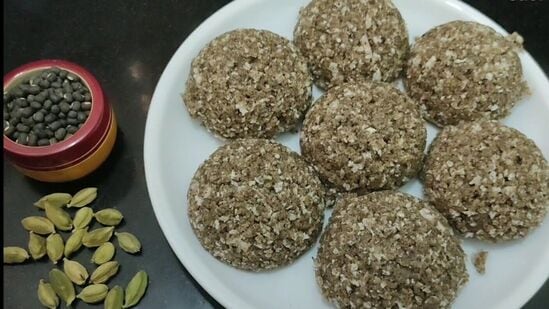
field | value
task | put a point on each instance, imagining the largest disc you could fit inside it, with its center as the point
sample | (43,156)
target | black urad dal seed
(16,92)
(71,129)
(75,106)
(27,111)
(55,98)
(67,87)
(72,77)
(34,89)
(44,83)
(33,139)
(76,86)
(24,89)
(55,109)
(55,125)
(68,97)
(43,142)
(27,121)
(60,133)
(21,102)
(22,138)
(38,117)
(14,121)
(65,107)
(22,128)
(41,97)
(47,104)
(81,117)
(50,118)
(36,105)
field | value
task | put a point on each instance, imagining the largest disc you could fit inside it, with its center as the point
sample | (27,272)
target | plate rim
(220,292)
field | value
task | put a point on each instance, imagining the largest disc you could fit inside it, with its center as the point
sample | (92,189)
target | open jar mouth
(74,147)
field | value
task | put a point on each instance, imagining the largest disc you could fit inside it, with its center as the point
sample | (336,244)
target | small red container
(79,154)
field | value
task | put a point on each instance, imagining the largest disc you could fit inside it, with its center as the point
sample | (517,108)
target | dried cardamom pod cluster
(45,240)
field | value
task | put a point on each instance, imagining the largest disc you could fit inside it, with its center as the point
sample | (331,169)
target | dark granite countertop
(113,39)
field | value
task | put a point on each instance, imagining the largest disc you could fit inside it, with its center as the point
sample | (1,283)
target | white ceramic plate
(175,145)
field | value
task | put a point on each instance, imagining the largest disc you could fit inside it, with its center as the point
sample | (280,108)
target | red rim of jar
(73,148)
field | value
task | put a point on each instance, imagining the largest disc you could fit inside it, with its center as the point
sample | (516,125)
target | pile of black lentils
(46,109)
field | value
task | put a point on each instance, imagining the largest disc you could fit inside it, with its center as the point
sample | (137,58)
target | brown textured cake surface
(256,205)
(364,137)
(389,250)
(490,181)
(463,71)
(352,40)
(248,83)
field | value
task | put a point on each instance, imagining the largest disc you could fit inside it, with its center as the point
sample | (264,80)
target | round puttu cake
(389,250)
(490,181)
(350,40)
(363,137)
(256,205)
(463,71)
(248,83)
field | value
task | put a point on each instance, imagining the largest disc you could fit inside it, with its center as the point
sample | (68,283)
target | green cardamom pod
(54,247)
(38,225)
(15,255)
(74,242)
(62,286)
(136,289)
(104,272)
(47,295)
(37,246)
(109,216)
(97,237)
(128,242)
(82,217)
(93,293)
(75,271)
(103,253)
(56,199)
(83,197)
(115,298)
(60,218)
